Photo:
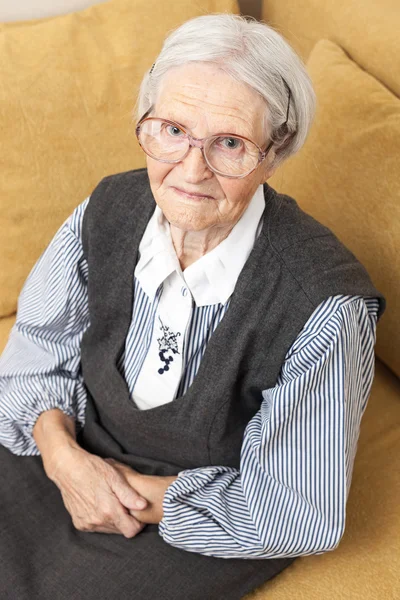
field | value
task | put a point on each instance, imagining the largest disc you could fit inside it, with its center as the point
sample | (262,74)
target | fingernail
(140,503)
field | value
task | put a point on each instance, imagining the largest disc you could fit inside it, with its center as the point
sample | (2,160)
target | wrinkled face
(206,101)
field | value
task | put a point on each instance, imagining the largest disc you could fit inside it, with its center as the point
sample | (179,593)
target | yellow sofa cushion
(366,29)
(68,87)
(5,328)
(347,175)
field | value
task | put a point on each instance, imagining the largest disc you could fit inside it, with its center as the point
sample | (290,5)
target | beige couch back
(366,29)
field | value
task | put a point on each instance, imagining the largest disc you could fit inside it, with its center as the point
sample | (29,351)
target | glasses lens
(232,155)
(163,140)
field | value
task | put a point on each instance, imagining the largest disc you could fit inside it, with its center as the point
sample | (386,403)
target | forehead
(207,100)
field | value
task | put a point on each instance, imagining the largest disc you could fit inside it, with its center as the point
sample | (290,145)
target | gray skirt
(43,556)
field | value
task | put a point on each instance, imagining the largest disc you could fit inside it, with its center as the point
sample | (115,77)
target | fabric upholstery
(5,327)
(347,175)
(367,30)
(68,89)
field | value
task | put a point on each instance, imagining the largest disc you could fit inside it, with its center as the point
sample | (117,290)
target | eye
(230,143)
(173,130)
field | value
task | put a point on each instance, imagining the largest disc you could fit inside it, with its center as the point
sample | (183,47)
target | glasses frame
(200,142)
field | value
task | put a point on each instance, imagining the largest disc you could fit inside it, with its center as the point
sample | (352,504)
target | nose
(195,168)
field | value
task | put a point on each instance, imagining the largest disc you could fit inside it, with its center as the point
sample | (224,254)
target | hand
(151,487)
(95,493)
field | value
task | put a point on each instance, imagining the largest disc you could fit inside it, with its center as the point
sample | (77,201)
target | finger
(125,470)
(120,466)
(126,494)
(116,531)
(127,524)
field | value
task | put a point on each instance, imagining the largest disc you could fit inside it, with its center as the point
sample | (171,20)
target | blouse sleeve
(40,366)
(289,496)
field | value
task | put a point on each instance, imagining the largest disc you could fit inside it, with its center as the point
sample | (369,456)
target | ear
(269,170)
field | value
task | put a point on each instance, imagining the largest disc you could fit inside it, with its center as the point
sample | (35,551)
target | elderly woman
(193,353)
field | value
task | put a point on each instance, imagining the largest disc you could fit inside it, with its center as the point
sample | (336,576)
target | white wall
(21,10)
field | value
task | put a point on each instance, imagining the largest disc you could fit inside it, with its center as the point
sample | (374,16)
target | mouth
(191,195)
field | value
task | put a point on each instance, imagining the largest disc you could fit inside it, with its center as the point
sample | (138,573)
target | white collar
(212,278)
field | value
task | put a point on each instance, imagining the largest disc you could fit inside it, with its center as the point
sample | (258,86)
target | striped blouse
(289,496)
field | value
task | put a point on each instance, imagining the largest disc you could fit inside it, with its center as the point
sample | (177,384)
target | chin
(186,219)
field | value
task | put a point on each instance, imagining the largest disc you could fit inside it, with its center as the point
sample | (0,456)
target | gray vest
(295,264)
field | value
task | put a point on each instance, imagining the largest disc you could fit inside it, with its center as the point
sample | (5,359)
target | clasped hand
(102,495)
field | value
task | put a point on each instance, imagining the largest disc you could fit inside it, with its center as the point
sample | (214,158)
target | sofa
(69,85)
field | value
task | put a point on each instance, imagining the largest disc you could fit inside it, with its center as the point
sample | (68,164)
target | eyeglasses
(229,155)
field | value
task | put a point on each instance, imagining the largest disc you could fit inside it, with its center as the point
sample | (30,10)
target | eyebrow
(220,131)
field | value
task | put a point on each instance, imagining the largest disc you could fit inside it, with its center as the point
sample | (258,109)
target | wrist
(61,460)
(54,434)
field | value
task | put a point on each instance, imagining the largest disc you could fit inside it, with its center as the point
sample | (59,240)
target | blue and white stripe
(139,335)
(289,496)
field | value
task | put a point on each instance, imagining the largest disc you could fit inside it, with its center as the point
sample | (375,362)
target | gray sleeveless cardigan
(295,264)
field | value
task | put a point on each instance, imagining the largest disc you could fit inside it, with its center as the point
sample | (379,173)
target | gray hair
(253,53)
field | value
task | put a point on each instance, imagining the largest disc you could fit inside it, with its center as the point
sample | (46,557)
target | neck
(192,245)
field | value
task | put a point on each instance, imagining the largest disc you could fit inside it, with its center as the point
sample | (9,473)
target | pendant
(167,346)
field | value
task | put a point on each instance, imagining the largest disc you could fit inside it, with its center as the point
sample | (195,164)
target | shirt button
(184,291)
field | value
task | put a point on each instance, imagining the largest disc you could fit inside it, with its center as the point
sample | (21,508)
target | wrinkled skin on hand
(150,487)
(96,493)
